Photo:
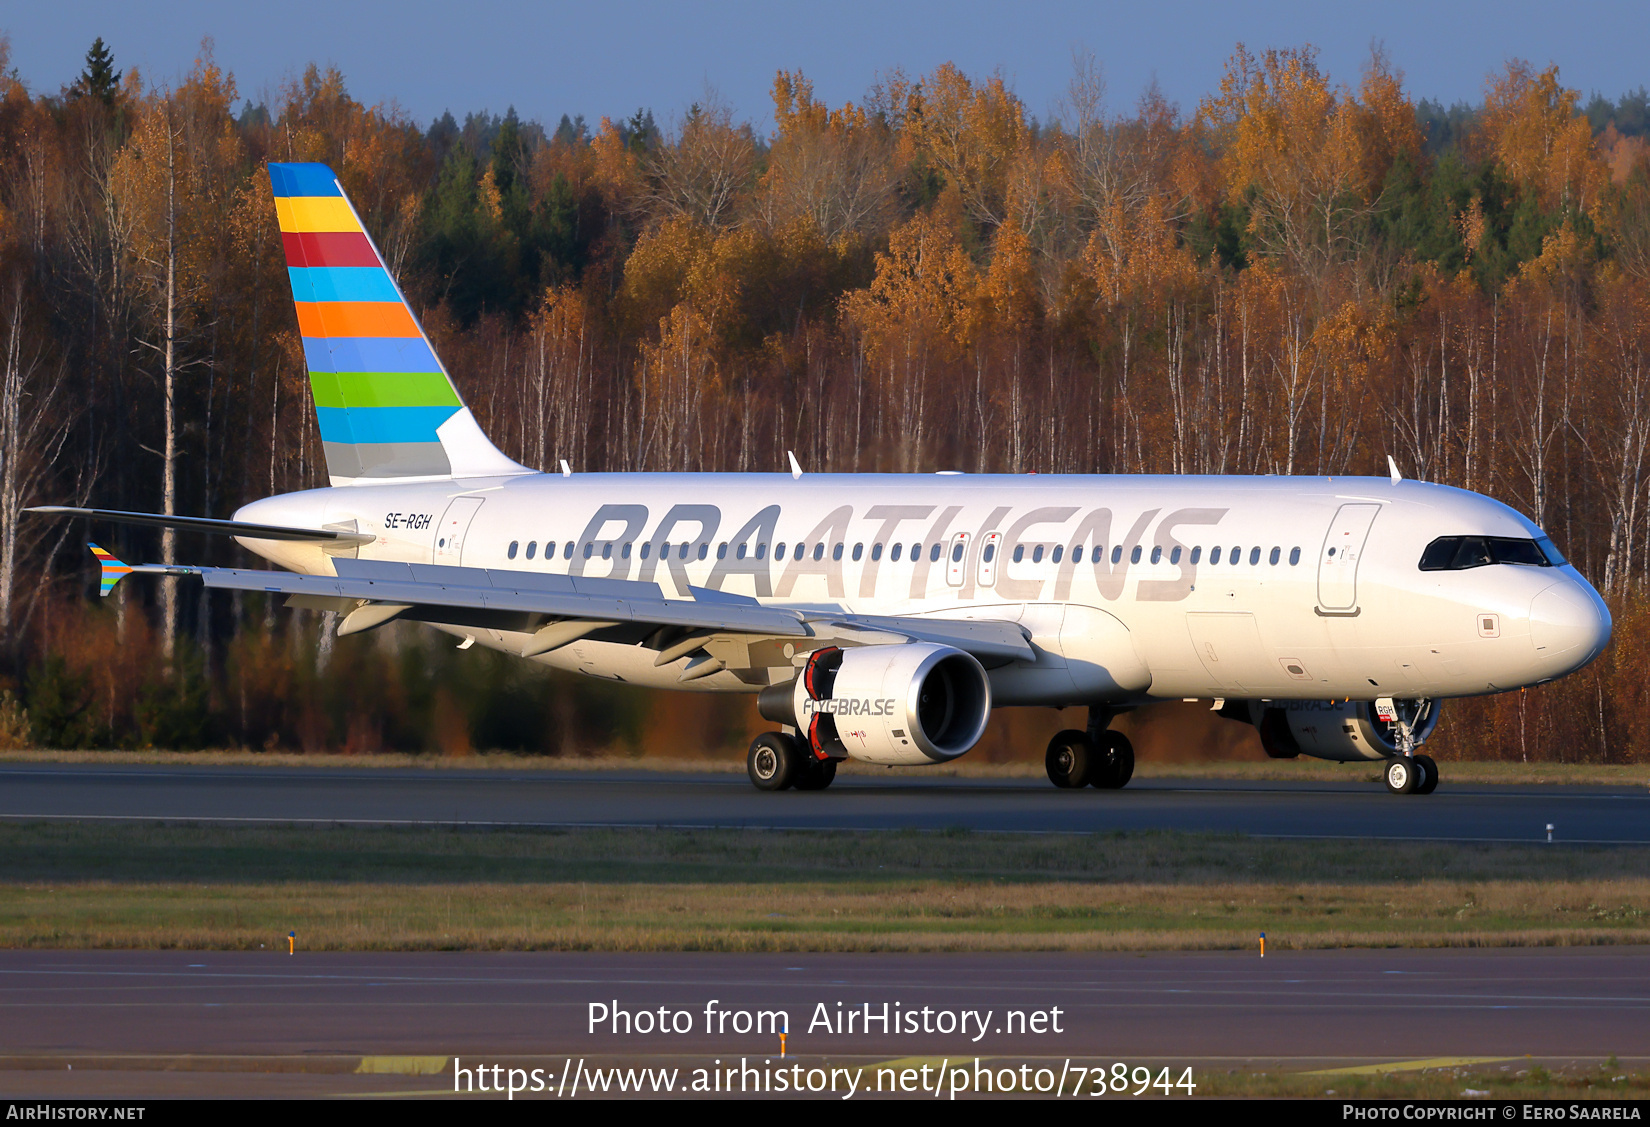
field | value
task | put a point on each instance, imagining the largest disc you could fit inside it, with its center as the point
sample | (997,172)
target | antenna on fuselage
(796,468)
(1390,464)
(566,470)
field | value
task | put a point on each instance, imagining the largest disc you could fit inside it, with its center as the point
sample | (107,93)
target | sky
(613,57)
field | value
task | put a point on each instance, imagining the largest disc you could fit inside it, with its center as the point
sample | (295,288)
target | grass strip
(351,888)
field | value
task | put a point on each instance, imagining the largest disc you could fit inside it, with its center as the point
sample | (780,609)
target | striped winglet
(113,570)
(380,392)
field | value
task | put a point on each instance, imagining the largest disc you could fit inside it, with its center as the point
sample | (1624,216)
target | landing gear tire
(775,761)
(1429,774)
(816,774)
(1402,774)
(1114,765)
(1069,759)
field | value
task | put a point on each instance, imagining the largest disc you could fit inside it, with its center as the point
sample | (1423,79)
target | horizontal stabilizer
(208,524)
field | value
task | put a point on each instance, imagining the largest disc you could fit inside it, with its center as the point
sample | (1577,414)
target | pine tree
(100,79)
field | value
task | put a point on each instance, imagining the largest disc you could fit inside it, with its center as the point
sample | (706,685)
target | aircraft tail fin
(385,405)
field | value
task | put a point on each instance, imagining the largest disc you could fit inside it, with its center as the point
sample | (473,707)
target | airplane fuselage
(1131,588)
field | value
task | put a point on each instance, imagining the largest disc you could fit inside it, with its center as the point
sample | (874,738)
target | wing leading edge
(557,609)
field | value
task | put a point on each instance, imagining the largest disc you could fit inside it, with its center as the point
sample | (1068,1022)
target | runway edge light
(1263,944)
(291,942)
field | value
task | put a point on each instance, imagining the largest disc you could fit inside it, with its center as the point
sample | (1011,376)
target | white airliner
(881,617)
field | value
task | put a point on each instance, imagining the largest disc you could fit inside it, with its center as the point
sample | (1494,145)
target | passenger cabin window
(1214,555)
(990,552)
(1157,553)
(1019,552)
(1294,556)
(567,552)
(859,550)
(1254,556)
(819,551)
(1458,553)
(1197,554)
(836,552)
(893,553)
(876,551)
(722,551)
(704,549)
(1037,554)
(1277,554)
(1058,549)
(934,553)
(1174,556)
(1134,556)
(761,550)
(512,552)
(532,546)
(1117,554)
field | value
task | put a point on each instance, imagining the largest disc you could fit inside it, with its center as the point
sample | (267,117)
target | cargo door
(1229,646)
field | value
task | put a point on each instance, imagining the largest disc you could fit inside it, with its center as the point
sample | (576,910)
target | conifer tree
(100,79)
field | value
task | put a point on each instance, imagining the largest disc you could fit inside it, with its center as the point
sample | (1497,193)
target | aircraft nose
(1569,625)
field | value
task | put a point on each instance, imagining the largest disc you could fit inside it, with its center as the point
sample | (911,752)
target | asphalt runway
(158,1023)
(1354,809)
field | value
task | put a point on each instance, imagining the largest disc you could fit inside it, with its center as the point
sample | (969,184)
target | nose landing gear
(1407,772)
(1411,774)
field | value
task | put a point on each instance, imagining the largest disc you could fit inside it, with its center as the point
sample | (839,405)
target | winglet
(1393,466)
(113,571)
(796,469)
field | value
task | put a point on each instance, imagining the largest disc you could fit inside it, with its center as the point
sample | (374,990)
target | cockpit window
(1457,553)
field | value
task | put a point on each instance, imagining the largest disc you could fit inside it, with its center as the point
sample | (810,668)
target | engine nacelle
(914,703)
(1344,731)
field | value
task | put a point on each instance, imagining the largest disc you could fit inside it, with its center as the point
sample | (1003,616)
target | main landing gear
(1098,757)
(778,761)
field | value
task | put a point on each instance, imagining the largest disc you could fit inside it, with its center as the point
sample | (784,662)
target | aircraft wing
(209,524)
(558,609)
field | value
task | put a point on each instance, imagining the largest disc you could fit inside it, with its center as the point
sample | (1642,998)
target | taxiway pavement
(501,797)
(139,1022)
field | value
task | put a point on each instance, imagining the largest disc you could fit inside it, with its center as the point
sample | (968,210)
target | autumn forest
(1303,273)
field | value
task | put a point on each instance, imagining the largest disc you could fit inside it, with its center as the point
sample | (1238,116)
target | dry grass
(933,915)
(166,886)
(1289,770)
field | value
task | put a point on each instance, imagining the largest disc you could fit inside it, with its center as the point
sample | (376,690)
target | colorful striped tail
(385,405)
(113,571)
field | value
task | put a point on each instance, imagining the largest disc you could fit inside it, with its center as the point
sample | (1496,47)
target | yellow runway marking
(402,1066)
(1405,1066)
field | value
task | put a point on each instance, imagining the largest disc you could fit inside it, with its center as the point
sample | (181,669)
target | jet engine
(913,703)
(1345,731)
